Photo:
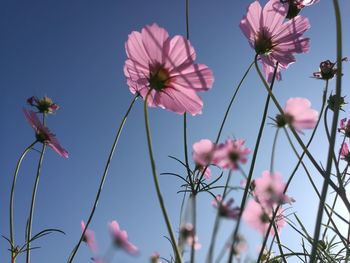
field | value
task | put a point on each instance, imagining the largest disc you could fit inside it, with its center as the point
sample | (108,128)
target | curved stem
(252,166)
(31,213)
(324,99)
(103,179)
(217,222)
(157,186)
(333,133)
(12,194)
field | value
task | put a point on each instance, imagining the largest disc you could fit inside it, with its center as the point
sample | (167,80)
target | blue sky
(73,52)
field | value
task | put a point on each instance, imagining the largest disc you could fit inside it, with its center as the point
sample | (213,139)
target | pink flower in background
(120,238)
(43,134)
(298,113)
(225,207)
(187,235)
(259,217)
(44,105)
(229,154)
(269,189)
(166,67)
(89,238)
(344,152)
(295,6)
(345,127)
(155,258)
(202,154)
(273,39)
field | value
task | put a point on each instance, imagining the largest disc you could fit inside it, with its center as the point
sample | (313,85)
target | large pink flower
(229,154)
(273,39)
(166,67)
(43,134)
(259,217)
(120,238)
(298,113)
(89,237)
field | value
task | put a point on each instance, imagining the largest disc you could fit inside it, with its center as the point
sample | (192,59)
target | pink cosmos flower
(120,238)
(44,105)
(230,153)
(268,190)
(345,127)
(259,217)
(43,134)
(298,113)
(165,66)
(344,152)
(89,237)
(273,39)
(202,155)
(187,235)
(225,207)
(155,258)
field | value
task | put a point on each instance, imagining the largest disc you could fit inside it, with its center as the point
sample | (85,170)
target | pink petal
(180,53)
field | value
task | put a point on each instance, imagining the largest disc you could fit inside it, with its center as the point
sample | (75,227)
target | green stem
(12,194)
(324,98)
(273,152)
(103,178)
(333,133)
(252,166)
(279,242)
(31,213)
(157,186)
(217,221)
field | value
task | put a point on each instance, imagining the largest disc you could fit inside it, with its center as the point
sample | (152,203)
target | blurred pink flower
(202,155)
(226,209)
(345,127)
(268,190)
(259,217)
(120,238)
(155,258)
(43,134)
(273,39)
(89,238)
(44,105)
(187,235)
(165,66)
(344,152)
(230,153)
(298,113)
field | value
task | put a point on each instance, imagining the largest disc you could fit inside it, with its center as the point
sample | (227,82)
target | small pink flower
(155,258)
(89,238)
(120,238)
(345,127)
(165,66)
(344,152)
(269,189)
(202,155)
(187,235)
(44,105)
(43,134)
(229,154)
(273,39)
(259,217)
(298,113)
(225,207)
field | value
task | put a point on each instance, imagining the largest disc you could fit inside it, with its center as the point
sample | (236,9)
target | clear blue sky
(73,51)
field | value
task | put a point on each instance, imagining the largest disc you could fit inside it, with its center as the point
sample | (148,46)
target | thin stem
(324,98)
(103,179)
(217,222)
(252,166)
(333,133)
(273,152)
(194,220)
(12,194)
(157,186)
(279,242)
(31,213)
